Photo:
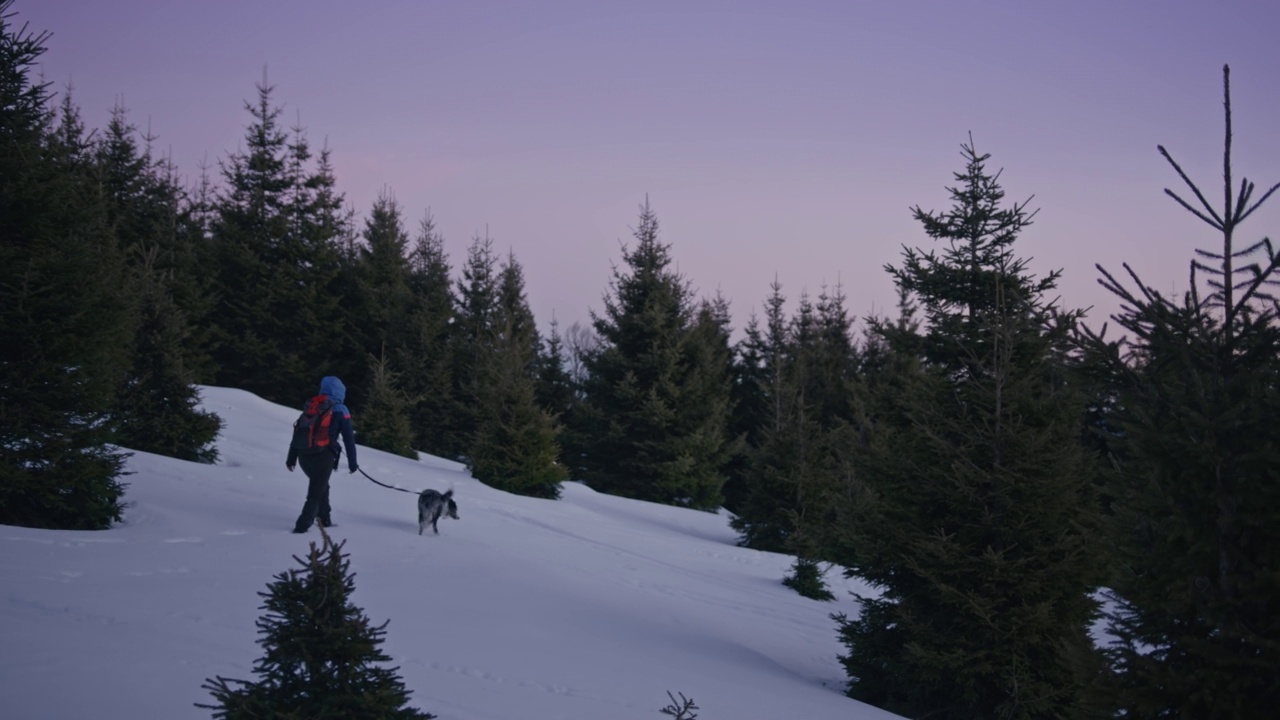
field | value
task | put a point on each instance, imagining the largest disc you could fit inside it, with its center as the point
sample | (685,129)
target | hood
(333,387)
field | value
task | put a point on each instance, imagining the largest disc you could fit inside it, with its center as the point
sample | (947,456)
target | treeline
(1000,472)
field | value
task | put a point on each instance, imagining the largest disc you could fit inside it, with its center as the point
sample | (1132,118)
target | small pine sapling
(806,579)
(682,709)
(321,655)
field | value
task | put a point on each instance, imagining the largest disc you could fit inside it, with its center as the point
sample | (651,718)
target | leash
(376,482)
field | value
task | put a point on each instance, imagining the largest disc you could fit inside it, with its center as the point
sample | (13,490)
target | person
(319,466)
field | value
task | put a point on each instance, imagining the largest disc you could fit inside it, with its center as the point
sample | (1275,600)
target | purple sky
(772,138)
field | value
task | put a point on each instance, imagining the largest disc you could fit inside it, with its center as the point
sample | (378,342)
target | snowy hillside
(587,608)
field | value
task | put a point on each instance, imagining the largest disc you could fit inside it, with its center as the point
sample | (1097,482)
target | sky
(781,141)
(592,606)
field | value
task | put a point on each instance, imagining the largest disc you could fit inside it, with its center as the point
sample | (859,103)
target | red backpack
(311,432)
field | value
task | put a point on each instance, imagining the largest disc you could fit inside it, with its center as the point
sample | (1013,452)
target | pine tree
(794,465)
(806,579)
(197,212)
(133,209)
(823,376)
(376,302)
(747,415)
(63,318)
(514,317)
(757,413)
(324,329)
(322,658)
(682,709)
(835,358)
(276,258)
(554,390)
(515,446)
(157,405)
(386,413)
(251,226)
(472,342)
(638,435)
(705,406)
(384,275)
(970,505)
(157,408)
(1196,444)
(424,356)
(977,274)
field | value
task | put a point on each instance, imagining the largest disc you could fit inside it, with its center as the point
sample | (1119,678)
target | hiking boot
(299,530)
(326,522)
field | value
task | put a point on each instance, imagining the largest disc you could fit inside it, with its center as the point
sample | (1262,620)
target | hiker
(315,447)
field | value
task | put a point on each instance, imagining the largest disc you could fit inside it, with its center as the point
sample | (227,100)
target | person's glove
(335,462)
(289,466)
(354,469)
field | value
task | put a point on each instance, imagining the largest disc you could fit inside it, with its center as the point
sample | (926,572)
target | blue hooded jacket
(340,426)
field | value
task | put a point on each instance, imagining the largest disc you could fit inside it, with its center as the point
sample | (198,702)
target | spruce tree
(638,436)
(756,414)
(132,206)
(157,405)
(472,340)
(197,211)
(703,442)
(424,356)
(747,414)
(824,371)
(247,234)
(324,332)
(322,659)
(279,324)
(372,325)
(835,360)
(554,387)
(157,408)
(62,316)
(515,446)
(384,275)
(1196,447)
(794,466)
(806,579)
(386,413)
(970,504)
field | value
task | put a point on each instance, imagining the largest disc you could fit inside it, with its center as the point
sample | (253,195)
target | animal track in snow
(81,542)
(41,541)
(64,576)
(485,675)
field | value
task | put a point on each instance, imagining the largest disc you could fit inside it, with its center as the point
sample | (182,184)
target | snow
(592,606)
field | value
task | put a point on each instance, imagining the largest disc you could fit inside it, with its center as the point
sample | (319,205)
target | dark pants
(318,468)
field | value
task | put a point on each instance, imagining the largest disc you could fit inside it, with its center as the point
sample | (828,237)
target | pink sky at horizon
(773,139)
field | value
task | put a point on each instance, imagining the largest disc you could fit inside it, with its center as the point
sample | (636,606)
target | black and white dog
(431,505)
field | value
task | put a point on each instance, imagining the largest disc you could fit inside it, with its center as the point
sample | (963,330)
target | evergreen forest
(1009,477)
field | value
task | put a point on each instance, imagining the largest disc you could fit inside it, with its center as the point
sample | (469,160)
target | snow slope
(588,607)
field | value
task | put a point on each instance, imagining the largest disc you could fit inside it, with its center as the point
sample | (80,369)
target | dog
(432,505)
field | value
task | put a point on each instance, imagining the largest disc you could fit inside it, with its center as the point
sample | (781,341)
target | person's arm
(292,460)
(349,439)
